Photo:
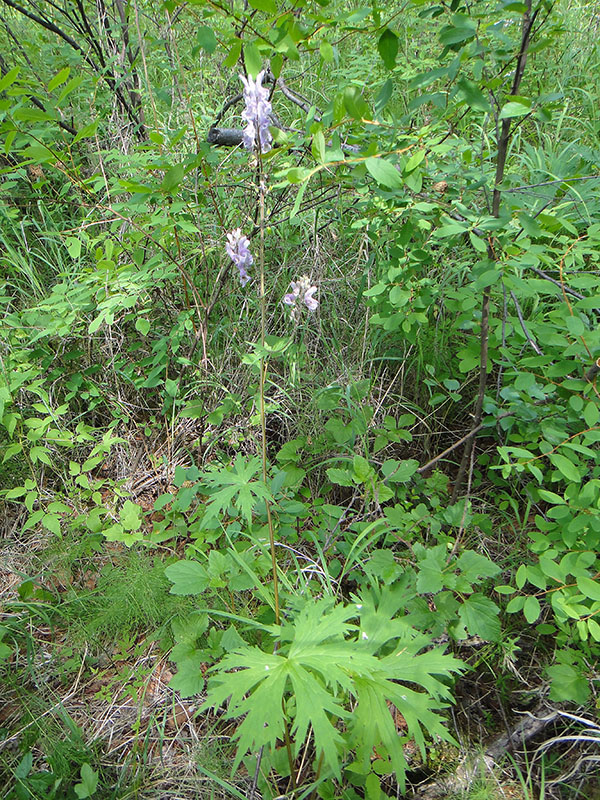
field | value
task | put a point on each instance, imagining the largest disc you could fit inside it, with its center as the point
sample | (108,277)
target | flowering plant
(256,114)
(302,292)
(238,251)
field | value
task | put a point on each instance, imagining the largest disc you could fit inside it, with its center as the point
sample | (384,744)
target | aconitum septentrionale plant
(256,114)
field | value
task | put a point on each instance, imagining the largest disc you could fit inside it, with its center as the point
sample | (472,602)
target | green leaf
(236,486)
(188,680)
(235,52)
(130,516)
(462,30)
(59,78)
(479,615)
(142,325)
(473,96)
(589,588)
(173,178)
(515,108)
(568,684)
(384,172)
(430,579)
(388,48)
(566,467)
(206,39)
(187,577)
(531,609)
(591,414)
(252,59)
(89,782)
(87,131)
(326,52)
(399,471)
(341,477)
(73,246)
(474,565)
(269,6)
(9,78)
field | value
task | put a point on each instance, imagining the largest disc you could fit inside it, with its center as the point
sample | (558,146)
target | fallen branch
(528,727)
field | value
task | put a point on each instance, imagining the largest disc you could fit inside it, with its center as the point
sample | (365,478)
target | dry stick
(531,341)
(526,729)
(503,141)
(110,79)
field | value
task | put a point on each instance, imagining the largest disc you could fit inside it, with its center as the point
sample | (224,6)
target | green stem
(263,377)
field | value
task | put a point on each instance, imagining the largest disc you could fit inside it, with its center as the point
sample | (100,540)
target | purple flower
(256,114)
(302,292)
(239,253)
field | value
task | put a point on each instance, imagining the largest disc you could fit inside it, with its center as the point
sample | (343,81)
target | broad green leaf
(460,31)
(568,684)
(475,565)
(173,178)
(326,52)
(269,6)
(384,172)
(399,471)
(142,325)
(531,609)
(479,615)
(431,567)
(73,246)
(188,680)
(515,108)
(235,51)
(591,414)
(252,59)
(187,577)
(130,516)
(89,782)
(206,39)
(565,467)
(388,48)
(473,96)
(589,588)
(341,477)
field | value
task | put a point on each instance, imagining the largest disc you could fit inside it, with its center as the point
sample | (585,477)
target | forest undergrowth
(299,401)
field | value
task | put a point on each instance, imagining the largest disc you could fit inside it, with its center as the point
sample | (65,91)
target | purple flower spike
(237,248)
(256,114)
(302,292)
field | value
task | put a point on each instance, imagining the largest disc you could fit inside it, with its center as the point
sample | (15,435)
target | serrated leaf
(89,782)
(479,615)
(341,477)
(188,679)
(187,577)
(567,684)
(475,565)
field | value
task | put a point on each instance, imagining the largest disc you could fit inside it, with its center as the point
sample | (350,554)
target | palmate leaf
(237,486)
(323,663)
